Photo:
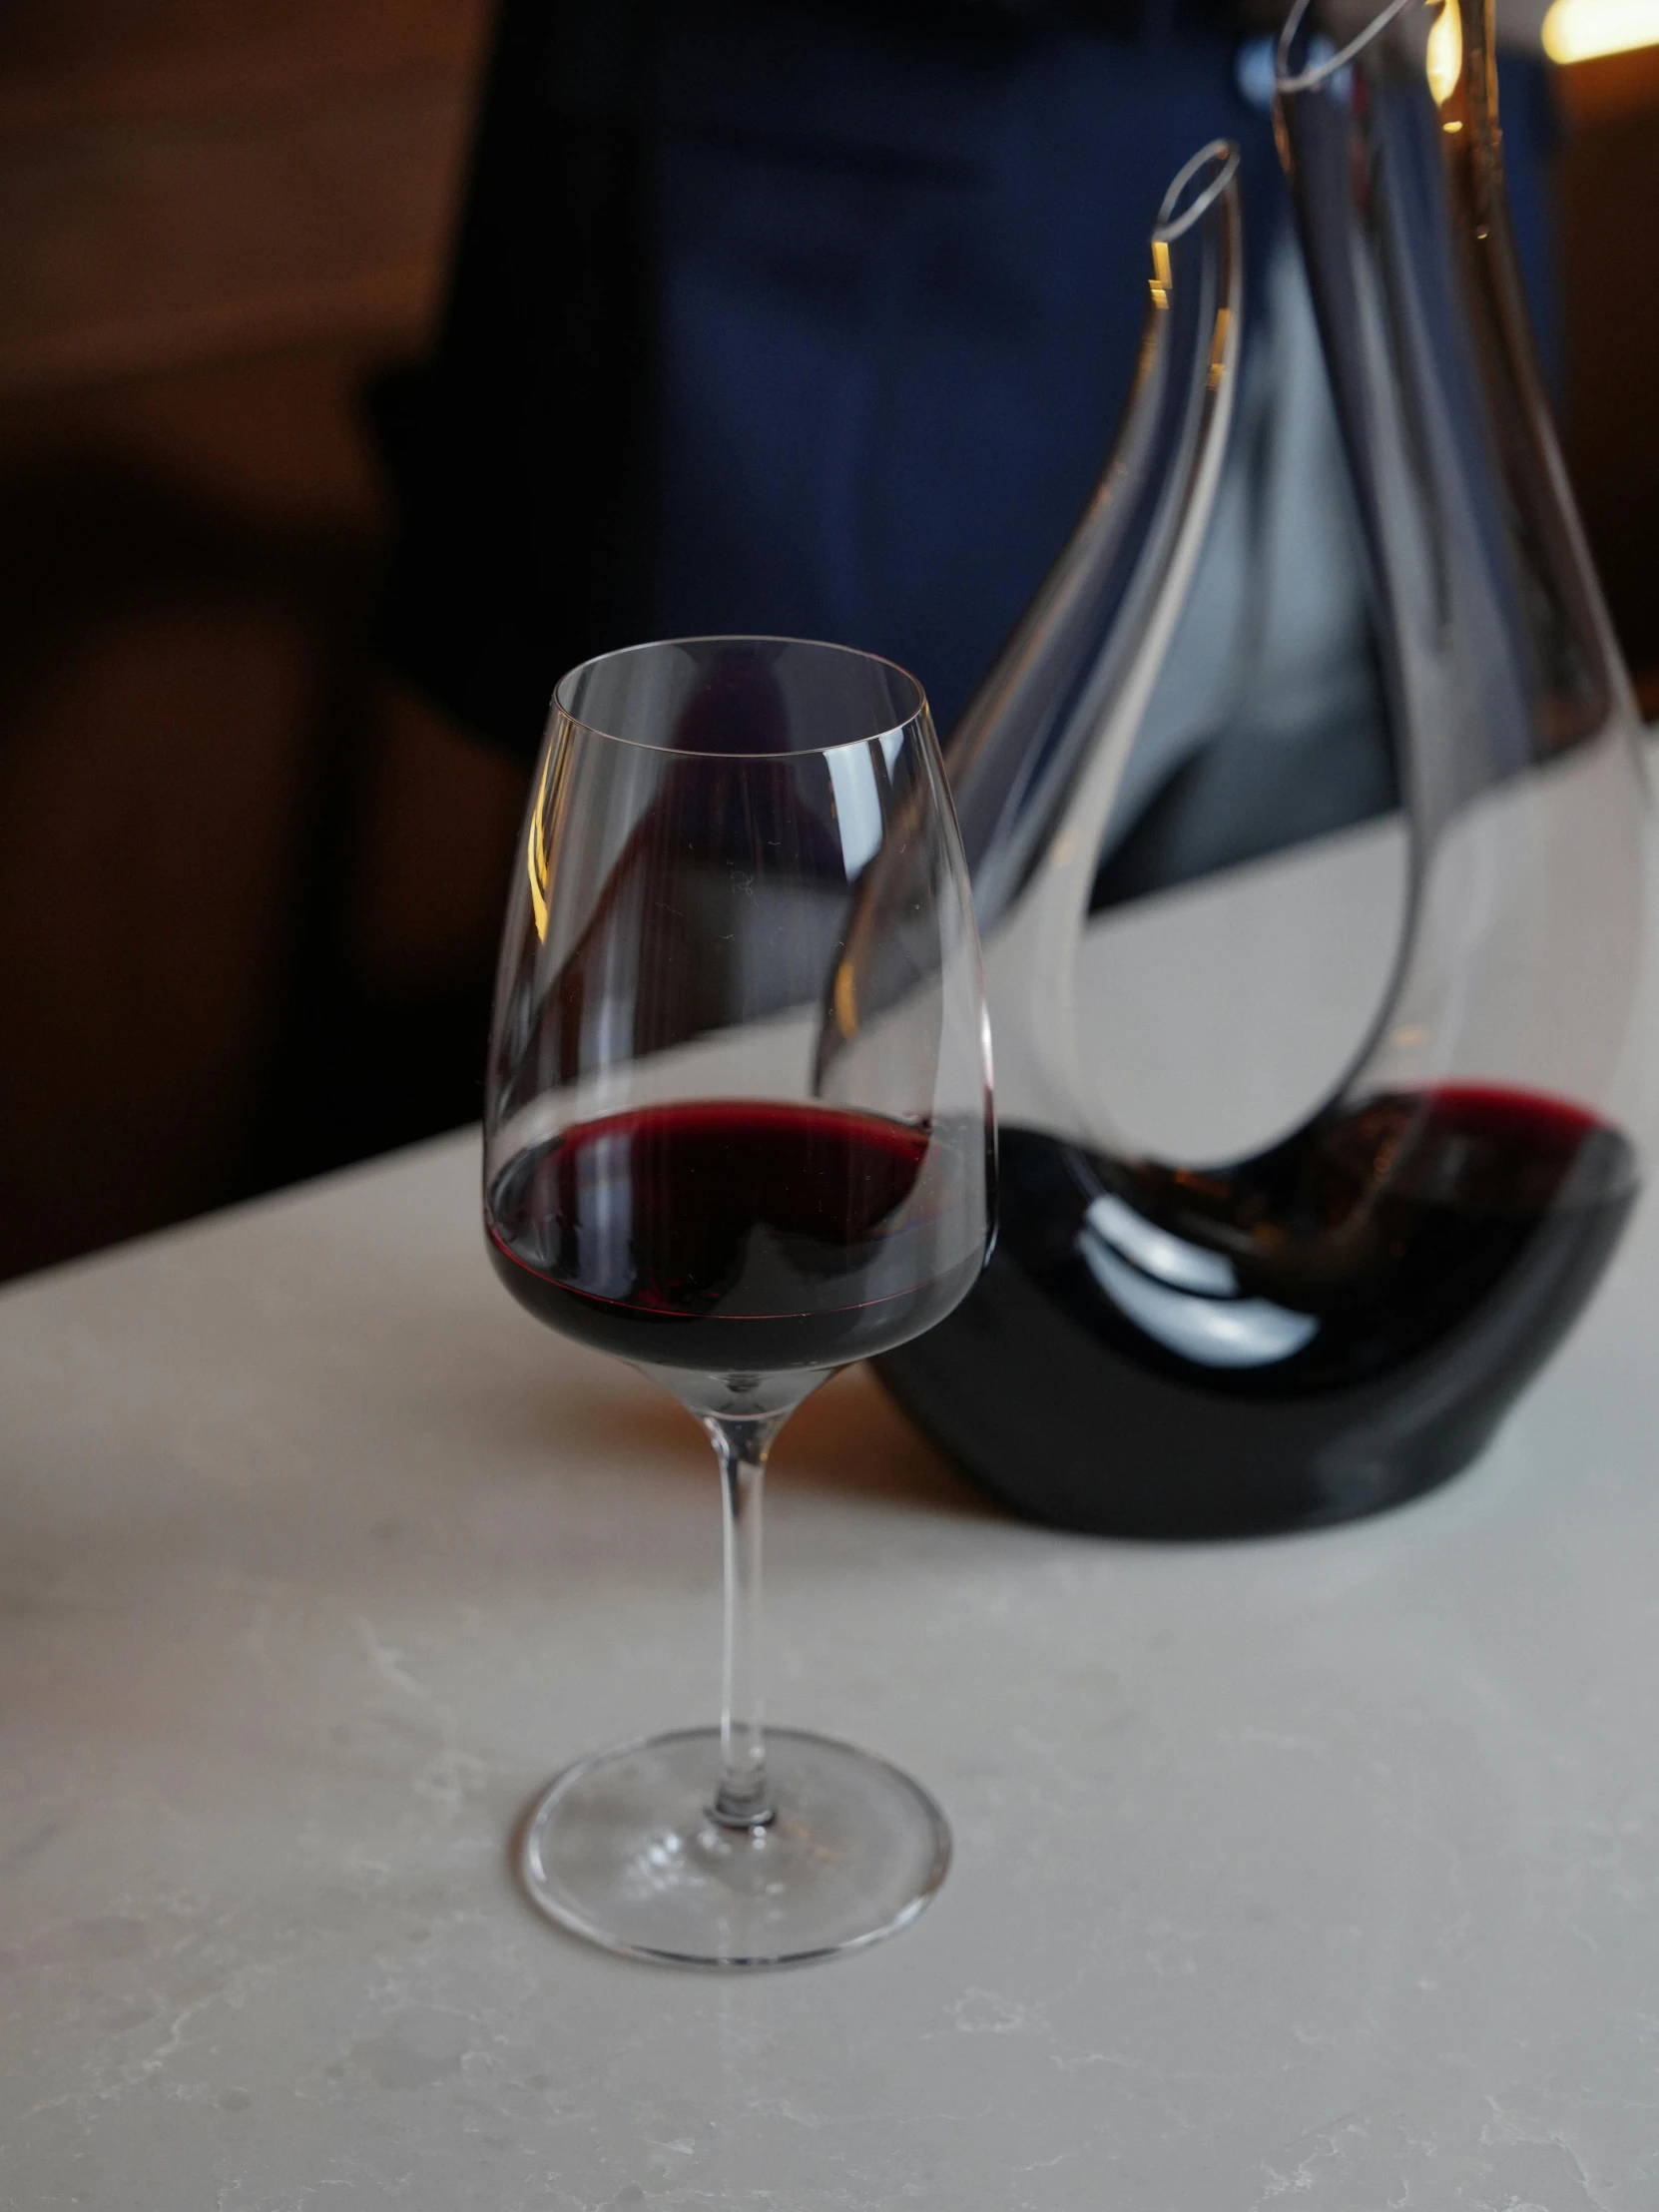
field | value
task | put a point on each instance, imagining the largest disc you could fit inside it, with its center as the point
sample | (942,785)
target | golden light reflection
(1218,352)
(846,1000)
(1160,274)
(1445,58)
(536,855)
(1579,30)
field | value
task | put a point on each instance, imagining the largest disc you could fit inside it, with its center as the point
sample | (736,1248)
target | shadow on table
(848,1439)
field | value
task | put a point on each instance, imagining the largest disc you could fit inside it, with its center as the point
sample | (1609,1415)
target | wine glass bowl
(738,1131)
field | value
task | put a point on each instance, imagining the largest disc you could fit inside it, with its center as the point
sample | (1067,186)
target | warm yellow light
(1578,30)
(536,854)
(847,1000)
(1445,52)
(1218,352)
(1160,274)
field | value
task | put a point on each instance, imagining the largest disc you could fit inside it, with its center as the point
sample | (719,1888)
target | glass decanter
(1306,1169)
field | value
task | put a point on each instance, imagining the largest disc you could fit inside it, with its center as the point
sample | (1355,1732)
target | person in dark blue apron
(818,321)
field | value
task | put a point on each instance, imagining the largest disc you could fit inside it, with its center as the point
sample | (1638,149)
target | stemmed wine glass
(738,1130)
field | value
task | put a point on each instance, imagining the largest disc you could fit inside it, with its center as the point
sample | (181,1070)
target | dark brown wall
(246,891)
(1610,267)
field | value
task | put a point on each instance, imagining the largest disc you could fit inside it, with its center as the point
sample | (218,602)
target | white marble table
(1323,1872)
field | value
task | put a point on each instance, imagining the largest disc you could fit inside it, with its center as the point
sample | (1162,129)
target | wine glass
(738,1130)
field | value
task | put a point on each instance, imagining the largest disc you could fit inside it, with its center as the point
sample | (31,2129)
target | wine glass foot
(622,1849)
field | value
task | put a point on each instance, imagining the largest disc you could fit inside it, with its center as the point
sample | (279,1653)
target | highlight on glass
(738,1131)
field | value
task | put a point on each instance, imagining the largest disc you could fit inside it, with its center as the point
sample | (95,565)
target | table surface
(1320,1870)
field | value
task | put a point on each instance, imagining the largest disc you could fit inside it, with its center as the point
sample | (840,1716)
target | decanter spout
(1533,842)
(1491,613)
(1035,759)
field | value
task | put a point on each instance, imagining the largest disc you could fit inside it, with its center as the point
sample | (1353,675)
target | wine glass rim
(1285,79)
(917,713)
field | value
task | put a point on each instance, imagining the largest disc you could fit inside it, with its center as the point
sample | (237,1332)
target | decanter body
(1309,1281)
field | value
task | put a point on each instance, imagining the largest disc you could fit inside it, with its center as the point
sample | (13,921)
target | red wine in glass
(731,1235)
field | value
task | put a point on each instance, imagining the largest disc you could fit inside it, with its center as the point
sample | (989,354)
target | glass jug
(1307,1168)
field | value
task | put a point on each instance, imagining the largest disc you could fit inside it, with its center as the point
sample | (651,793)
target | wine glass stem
(742,1442)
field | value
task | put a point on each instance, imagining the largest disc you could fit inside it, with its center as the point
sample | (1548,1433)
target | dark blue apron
(815,321)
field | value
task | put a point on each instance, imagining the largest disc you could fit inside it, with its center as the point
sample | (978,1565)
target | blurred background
(253,843)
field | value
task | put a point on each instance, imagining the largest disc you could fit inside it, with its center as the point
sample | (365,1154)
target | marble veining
(1321,1872)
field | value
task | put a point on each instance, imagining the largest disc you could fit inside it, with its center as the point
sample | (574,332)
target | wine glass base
(622,1849)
